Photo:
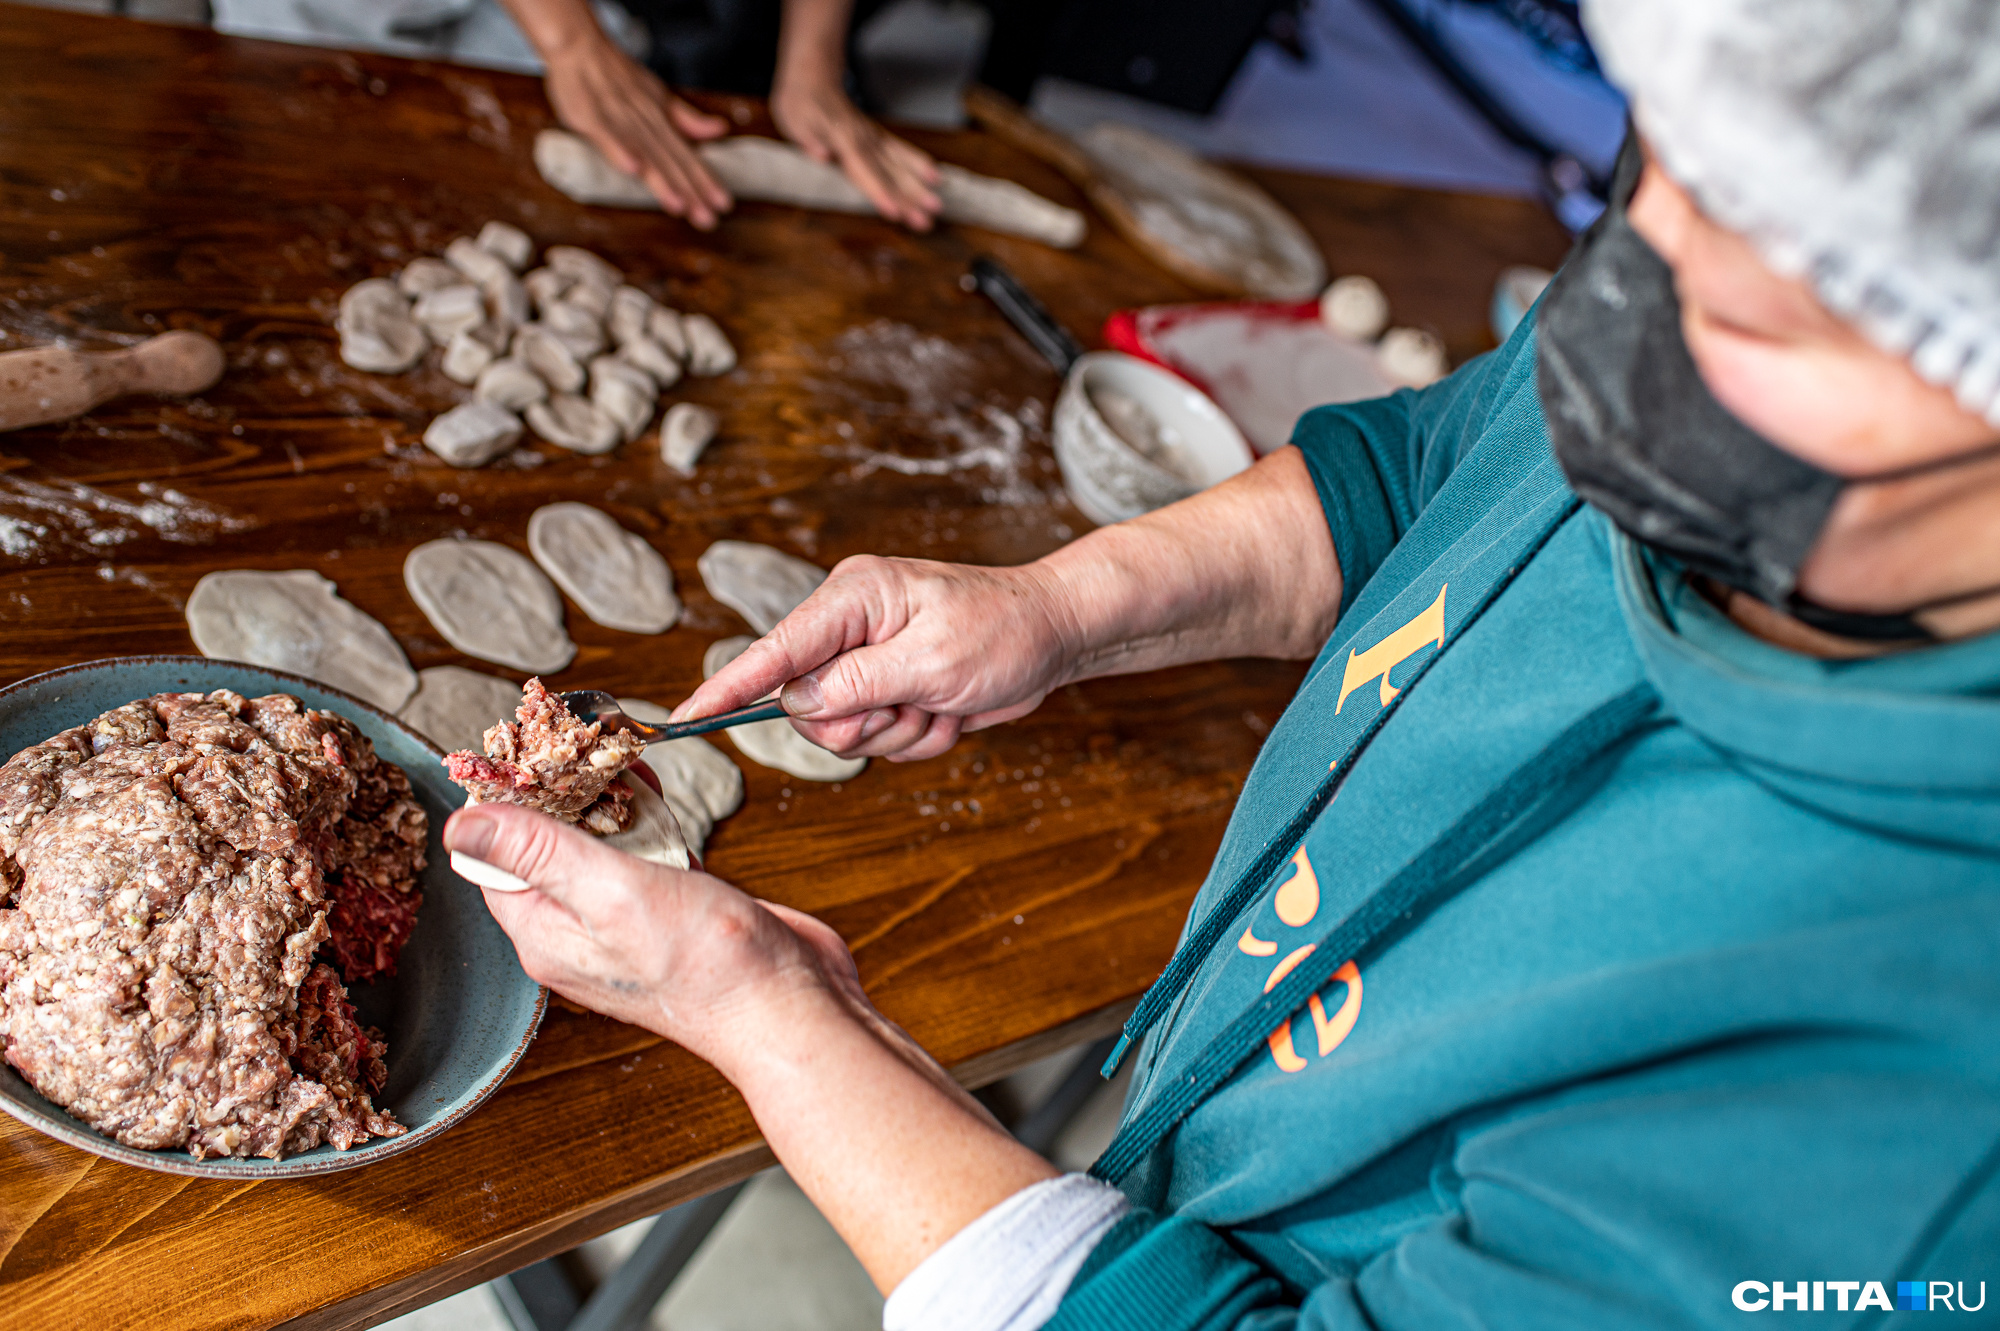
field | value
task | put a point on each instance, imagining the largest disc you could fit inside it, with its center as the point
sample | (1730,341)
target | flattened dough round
(774,743)
(701,784)
(453,707)
(655,834)
(295,620)
(491,602)
(620,581)
(758,582)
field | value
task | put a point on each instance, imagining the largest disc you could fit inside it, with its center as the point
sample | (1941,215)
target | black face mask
(1639,436)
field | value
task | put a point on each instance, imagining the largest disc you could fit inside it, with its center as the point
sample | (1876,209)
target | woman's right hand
(640,127)
(895,658)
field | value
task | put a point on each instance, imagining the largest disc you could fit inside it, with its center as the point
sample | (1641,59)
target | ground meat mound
(546,759)
(167,877)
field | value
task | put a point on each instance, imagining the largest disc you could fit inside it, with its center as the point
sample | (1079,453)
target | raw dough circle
(453,707)
(491,602)
(701,784)
(775,743)
(295,620)
(654,834)
(758,582)
(615,576)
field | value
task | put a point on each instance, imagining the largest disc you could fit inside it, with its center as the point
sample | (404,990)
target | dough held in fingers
(614,575)
(655,833)
(377,332)
(550,357)
(509,383)
(684,433)
(575,423)
(758,582)
(709,350)
(473,433)
(513,245)
(453,707)
(700,783)
(489,601)
(295,620)
(775,743)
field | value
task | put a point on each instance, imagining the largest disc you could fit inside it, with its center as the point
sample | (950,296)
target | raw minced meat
(546,759)
(168,873)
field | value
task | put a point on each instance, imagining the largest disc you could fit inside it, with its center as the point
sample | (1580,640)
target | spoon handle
(762,711)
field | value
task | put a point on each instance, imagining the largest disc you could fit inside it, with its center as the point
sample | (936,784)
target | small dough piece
(593,299)
(775,743)
(614,575)
(546,286)
(581,265)
(655,832)
(1355,307)
(466,357)
(473,433)
(479,264)
(490,601)
(296,620)
(660,366)
(453,706)
(709,351)
(1411,356)
(450,310)
(507,305)
(684,433)
(377,333)
(625,393)
(550,357)
(512,244)
(626,319)
(758,582)
(575,423)
(509,383)
(702,786)
(664,326)
(425,275)
(580,330)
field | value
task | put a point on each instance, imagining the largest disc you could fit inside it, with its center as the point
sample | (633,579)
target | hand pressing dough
(546,286)
(575,423)
(775,743)
(473,433)
(295,620)
(550,357)
(615,576)
(684,433)
(654,359)
(582,266)
(756,581)
(466,357)
(512,244)
(509,383)
(702,786)
(580,330)
(625,393)
(450,310)
(480,264)
(490,601)
(630,309)
(453,706)
(377,333)
(425,275)
(708,351)
(655,833)
(757,168)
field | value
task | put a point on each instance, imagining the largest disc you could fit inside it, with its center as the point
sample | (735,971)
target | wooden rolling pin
(60,383)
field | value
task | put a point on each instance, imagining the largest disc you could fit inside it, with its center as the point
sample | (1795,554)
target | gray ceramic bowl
(458,1014)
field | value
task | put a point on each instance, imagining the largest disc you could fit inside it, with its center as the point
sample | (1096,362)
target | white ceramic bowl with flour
(1132,437)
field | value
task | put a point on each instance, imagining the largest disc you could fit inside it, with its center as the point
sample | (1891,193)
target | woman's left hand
(899,178)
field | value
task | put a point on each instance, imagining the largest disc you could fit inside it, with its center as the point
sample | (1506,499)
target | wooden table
(1007,899)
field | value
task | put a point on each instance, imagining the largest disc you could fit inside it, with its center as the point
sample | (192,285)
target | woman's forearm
(1246,568)
(812,43)
(552,27)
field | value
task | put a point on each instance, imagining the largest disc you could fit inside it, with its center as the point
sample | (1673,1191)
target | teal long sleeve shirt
(1707,1003)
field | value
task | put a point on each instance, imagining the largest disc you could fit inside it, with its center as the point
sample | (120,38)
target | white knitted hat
(1856,143)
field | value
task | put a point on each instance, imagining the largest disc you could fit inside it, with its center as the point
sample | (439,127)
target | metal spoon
(595,705)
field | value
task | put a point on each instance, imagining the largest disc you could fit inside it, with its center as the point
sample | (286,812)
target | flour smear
(39,520)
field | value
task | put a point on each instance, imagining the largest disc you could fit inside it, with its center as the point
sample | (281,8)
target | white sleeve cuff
(1009,1269)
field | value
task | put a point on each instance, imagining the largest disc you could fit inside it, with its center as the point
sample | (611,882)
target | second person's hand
(897,177)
